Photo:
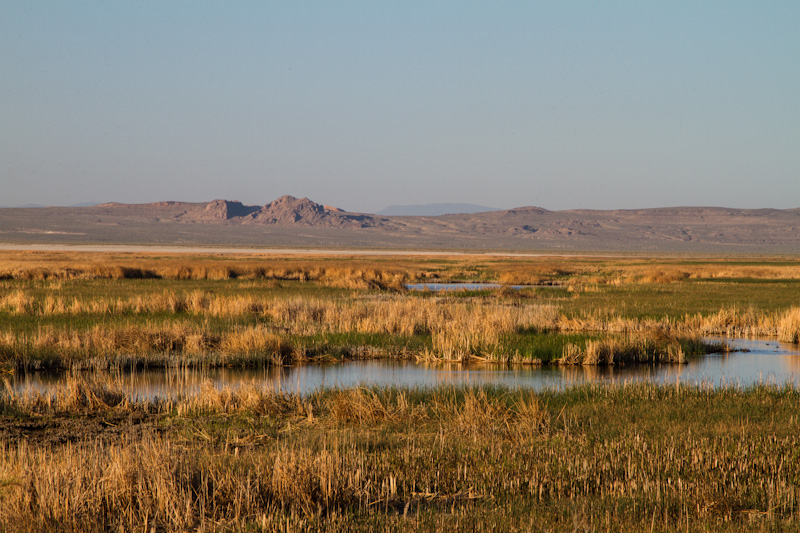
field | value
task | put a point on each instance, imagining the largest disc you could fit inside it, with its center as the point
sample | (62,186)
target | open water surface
(466,286)
(766,361)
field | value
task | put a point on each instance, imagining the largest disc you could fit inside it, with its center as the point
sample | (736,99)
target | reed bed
(533,270)
(102,310)
(586,270)
(727,322)
(44,266)
(624,457)
(455,329)
(149,345)
(636,348)
(395,314)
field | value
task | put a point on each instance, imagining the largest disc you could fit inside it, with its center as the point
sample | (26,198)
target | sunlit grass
(334,308)
(625,457)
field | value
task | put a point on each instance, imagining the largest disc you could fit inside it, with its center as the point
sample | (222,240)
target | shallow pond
(767,361)
(464,286)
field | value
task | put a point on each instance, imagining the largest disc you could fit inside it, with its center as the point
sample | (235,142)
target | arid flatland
(292,222)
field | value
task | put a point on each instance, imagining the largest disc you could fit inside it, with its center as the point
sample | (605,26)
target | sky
(360,105)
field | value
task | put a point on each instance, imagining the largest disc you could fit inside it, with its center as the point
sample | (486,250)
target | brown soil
(60,429)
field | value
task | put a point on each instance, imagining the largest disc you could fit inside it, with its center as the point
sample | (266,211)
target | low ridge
(301,221)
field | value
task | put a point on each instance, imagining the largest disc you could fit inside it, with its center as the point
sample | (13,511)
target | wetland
(749,362)
(224,392)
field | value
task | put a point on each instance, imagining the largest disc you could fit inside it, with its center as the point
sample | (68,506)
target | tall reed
(789,326)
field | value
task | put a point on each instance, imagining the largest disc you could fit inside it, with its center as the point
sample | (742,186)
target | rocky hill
(291,211)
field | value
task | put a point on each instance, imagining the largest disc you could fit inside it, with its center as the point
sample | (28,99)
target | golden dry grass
(667,457)
(176,343)
(789,326)
(376,271)
(459,329)
(40,266)
(223,323)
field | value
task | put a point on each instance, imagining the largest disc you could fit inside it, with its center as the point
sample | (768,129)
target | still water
(766,361)
(465,286)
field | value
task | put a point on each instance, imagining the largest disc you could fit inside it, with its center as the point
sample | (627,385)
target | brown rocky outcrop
(219,210)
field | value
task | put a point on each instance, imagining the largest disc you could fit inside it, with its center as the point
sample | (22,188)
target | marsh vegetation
(633,457)
(110,310)
(619,456)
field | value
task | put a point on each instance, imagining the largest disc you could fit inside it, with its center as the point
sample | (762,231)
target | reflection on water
(765,362)
(450,286)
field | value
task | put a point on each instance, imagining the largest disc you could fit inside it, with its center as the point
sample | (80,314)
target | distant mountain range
(290,221)
(84,204)
(433,210)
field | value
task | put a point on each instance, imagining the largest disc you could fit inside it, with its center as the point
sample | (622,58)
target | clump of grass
(466,332)
(356,278)
(653,346)
(255,340)
(366,406)
(662,275)
(789,326)
(250,398)
(75,396)
(477,414)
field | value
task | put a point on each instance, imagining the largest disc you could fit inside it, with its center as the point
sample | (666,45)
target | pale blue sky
(364,104)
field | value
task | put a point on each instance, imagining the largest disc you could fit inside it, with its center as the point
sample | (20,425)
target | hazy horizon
(449,207)
(617,105)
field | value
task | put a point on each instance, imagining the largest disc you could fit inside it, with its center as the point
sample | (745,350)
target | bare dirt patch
(61,429)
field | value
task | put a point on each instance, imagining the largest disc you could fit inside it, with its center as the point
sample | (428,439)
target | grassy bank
(61,310)
(625,458)
(198,329)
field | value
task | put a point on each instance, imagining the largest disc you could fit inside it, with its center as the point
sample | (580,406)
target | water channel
(469,286)
(764,361)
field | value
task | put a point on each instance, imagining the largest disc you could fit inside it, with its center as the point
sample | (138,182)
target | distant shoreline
(361,252)
(251,250)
